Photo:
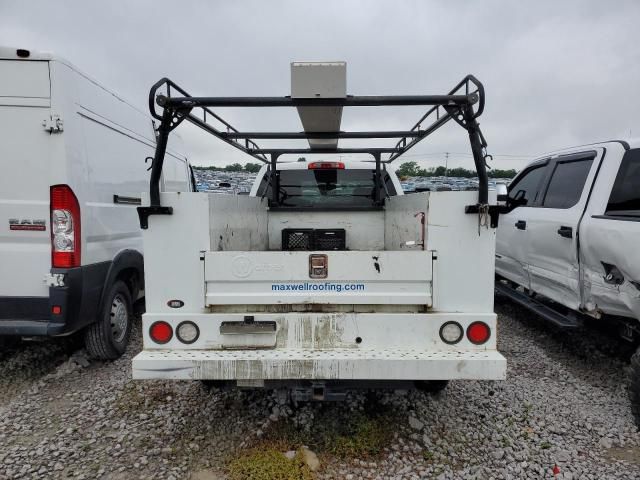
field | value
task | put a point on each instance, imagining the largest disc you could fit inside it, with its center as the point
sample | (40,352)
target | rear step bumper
(331,364)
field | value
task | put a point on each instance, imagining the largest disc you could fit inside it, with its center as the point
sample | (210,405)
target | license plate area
(247,328)
(248,334)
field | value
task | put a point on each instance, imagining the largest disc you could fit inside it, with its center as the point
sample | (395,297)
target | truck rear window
(625,194)
(328,188)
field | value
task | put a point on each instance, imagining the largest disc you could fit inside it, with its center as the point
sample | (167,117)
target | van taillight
(65,227)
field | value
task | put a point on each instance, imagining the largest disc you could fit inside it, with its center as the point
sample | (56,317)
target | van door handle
(566,232)
(521,225)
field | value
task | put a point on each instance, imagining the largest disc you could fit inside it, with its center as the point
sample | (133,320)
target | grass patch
(367,438)
(269,464)
(427,456)
(336,432)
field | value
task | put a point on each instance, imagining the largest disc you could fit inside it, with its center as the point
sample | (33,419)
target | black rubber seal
(455,341)
(197,332)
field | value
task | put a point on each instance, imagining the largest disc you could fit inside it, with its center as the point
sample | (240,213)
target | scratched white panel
(283,277)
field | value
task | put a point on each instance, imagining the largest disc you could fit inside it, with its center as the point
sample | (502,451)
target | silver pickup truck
(567,243)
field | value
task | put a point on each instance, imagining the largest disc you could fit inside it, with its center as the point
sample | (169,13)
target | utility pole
(446,165)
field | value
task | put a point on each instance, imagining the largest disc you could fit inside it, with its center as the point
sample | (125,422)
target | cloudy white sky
(557,73)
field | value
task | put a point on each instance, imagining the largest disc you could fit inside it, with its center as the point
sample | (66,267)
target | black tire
(108,337)
(9,342)
(634,386)
(432,386)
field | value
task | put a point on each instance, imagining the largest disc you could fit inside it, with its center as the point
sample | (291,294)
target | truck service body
(326,274)
(73,151)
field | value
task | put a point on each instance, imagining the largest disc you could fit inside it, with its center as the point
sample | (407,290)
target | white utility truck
(73,168)
(326,276)
(569,238)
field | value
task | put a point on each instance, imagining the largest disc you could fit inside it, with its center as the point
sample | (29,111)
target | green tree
(411,169)
(497,173)
(440,171)
(252,167)
(234,167)
(461,172)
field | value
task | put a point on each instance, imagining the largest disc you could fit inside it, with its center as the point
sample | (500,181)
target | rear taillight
(160,332)
(65,227)
(478,333)
(326,165)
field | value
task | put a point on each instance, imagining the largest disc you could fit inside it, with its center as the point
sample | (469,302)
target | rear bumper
(78,300)
(31,328)
(28,316)
(329,364)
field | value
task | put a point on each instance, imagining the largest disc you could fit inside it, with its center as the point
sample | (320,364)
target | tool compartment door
(259,278)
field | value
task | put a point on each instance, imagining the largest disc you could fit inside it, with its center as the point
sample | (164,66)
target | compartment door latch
(318,265)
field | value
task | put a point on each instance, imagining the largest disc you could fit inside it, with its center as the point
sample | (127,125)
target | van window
(567,183)
(526,187)
(625,194)
(327,188)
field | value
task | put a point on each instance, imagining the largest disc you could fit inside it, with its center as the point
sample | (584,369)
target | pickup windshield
(327,188)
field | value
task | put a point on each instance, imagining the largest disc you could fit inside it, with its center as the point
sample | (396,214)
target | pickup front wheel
(108,337)
(634,386)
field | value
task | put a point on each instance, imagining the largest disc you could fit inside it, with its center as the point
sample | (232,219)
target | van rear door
(25,252)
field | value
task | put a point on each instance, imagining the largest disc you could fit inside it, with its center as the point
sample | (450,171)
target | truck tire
(634,386)
(107,338)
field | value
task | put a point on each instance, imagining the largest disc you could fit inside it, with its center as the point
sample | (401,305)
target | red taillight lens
(160,332)
(325,165)
(478,333)
(65,227)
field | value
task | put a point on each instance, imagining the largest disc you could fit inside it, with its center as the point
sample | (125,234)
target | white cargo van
(72,157)
(326,276)
(569,238)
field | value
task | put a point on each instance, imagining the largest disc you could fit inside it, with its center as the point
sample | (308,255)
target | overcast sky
(557,73)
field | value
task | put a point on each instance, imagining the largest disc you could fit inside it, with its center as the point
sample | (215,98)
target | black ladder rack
(464,104)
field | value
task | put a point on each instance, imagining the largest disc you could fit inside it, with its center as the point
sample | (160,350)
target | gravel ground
(564,404)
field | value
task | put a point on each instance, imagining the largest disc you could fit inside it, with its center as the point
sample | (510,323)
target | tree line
(407,169)
(412,169)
